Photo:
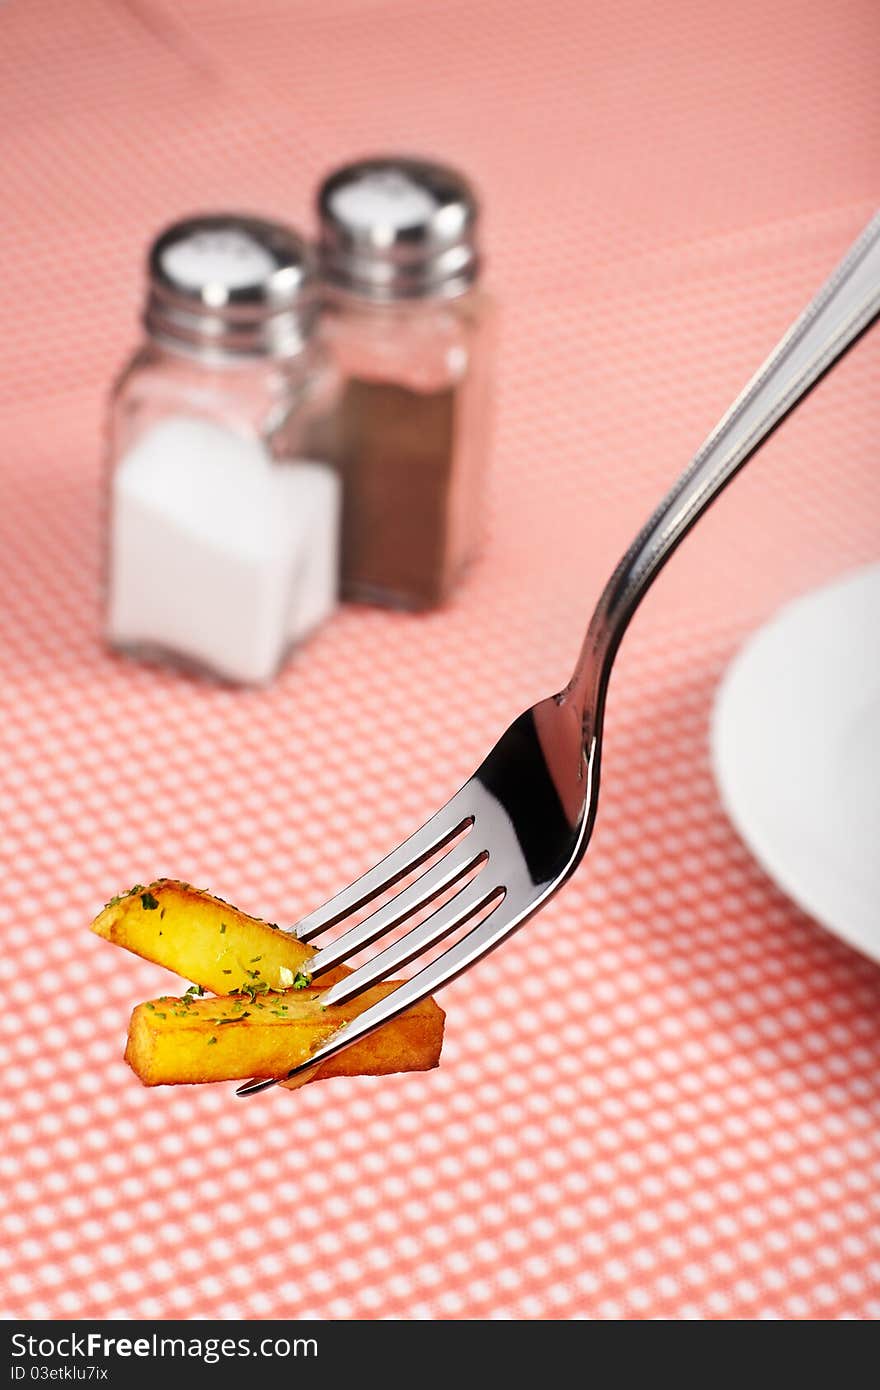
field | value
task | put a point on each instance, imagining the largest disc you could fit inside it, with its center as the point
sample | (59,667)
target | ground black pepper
(395,449)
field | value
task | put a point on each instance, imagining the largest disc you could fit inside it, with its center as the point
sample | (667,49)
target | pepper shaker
(411,332)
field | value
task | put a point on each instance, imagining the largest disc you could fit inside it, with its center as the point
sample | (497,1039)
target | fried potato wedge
(177,1041)
(204,939)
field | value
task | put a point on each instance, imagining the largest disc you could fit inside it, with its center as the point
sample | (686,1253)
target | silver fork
(519,828)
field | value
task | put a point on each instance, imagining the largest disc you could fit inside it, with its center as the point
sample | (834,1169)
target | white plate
(796,752)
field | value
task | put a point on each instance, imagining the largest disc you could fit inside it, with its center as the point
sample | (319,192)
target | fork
(519,828)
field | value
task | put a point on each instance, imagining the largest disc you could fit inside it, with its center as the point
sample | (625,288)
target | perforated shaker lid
(226,286)
(398,228)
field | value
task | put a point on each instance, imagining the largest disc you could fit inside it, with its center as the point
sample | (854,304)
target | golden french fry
(174,1041)
(204,939)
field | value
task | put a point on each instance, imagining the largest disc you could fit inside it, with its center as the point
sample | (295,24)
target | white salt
(220,554)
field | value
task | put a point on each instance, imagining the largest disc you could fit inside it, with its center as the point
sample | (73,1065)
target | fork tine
(480,939)
(433,835)
(467,902)
(455,865)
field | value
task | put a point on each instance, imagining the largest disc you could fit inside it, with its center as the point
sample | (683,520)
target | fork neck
(587,690)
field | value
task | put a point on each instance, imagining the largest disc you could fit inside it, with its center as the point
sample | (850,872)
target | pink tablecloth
(662,1097)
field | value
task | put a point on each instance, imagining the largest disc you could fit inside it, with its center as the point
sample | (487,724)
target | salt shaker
(411,333)
(224,528)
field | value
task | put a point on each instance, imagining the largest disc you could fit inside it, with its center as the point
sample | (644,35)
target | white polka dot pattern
(661,1099)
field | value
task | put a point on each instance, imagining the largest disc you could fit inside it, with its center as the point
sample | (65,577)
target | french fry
(204,939)
(177,1041)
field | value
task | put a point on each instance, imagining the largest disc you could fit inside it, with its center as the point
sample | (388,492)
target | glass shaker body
(410,435)
(275,404)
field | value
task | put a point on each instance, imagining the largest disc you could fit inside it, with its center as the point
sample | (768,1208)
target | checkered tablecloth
(662,1097)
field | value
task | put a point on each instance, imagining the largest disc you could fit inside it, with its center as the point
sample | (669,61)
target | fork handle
(844,308)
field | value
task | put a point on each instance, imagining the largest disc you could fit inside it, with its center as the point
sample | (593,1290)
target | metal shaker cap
(397,228)
(224,287)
